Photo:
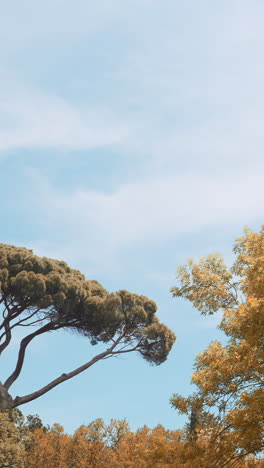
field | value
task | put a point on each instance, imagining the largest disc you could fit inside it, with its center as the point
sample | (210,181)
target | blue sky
(131,137)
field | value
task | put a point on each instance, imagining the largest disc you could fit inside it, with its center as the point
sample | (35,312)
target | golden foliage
(92,447)
(230,378)
(99,445)
(13,439)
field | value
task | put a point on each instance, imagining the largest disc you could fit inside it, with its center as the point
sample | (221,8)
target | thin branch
(6,316)
(8,335)
(6,325)
(4,313)
(30,324)
(235,460)
(22,350)
(123,347)
(13,312)
(126,350)
(218,434)
(26,318)
(20,324)
(233,286)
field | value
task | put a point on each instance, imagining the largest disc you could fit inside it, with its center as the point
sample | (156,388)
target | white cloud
(182,96)
(151,211)
(34,119)
(165,207)
(179,84)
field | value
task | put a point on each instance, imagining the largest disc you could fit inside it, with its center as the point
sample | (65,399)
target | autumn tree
(91,446)
(230,378)
(14,437)
(98,445)
(49,295)
(33,422)
(148,448)
(49,449)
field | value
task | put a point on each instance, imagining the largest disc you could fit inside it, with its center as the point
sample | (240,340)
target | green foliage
(33,422)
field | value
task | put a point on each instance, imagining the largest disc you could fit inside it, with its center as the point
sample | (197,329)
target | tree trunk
(6,401)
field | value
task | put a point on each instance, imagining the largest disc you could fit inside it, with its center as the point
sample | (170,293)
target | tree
(33,422)
(100,445)
(230,378)
(14,437)
(114,445)
(49,449)
(49,295)
(90,446)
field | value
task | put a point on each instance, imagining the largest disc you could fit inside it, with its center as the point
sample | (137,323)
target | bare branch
(13,312)
(25,342)
(27,318)
(22,350)
(121,351)
(29,324)
(4,313)
(20,323)
(8,336)
(32,396)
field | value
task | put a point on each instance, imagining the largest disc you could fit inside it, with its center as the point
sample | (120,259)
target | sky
(131,138)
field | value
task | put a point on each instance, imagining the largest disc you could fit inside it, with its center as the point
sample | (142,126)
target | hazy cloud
(153,210)
(34,119)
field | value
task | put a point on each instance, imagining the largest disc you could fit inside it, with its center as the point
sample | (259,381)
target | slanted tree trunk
(6,401)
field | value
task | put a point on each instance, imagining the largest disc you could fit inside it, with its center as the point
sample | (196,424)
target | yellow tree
(13,439)
(48,449)
(161,448)
(90,446)
(98,445)
(230,378)
(87,448)
(147,448)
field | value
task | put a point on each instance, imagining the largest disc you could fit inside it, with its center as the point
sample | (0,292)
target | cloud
(164,207)
(162,80)
(175,93)
(31,118)
(147,212)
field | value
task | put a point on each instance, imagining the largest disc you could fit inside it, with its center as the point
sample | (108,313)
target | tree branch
(121,351)
(20,323)
(13,312)
(8,336)
(22,350)
(4,313)
(26,318)
(28,324)
(32,396)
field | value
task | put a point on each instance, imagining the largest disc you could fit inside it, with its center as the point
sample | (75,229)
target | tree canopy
(230,378)
(49,295)
(29,444)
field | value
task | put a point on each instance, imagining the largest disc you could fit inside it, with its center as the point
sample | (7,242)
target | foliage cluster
(29,445)
(229,379)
